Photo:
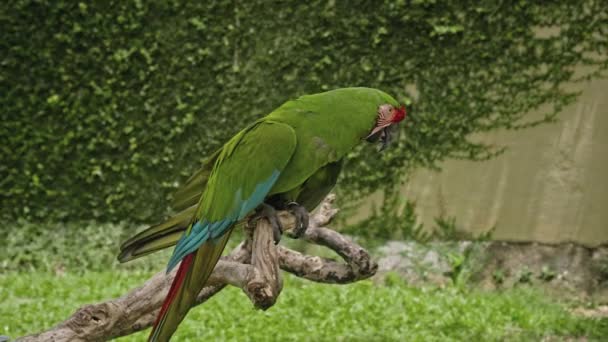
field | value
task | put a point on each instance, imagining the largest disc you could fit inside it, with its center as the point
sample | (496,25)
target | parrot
(289,160)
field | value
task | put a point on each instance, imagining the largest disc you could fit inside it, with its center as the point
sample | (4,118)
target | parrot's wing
(190,192)
(244,172)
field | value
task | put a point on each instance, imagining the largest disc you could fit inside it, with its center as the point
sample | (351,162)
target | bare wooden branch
(253,266)
(264,289)
(358,262)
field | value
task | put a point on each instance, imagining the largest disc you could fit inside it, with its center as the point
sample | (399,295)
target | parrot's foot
(267,211)
(301,215)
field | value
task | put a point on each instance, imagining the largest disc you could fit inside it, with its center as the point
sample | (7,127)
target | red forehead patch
(398,114)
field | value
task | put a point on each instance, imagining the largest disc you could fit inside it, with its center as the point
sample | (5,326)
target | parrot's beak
(374,136)
(383,136)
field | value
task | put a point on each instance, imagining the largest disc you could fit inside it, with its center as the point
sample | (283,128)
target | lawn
(394,311)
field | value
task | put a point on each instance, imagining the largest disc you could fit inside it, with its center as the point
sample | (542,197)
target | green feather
(317,186)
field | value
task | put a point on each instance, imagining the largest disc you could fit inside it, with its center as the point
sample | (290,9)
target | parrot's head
(388,118)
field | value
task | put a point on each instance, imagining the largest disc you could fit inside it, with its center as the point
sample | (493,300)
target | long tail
(157,237)
(190,279)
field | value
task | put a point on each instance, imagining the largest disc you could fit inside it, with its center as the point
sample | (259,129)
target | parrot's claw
(268,212)
(301,215)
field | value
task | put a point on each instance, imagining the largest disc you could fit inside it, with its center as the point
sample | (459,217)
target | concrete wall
(550,186)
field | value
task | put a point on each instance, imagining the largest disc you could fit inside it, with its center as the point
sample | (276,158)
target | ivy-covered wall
(105,106)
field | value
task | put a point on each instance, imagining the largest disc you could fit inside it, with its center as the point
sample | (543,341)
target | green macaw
(289,159)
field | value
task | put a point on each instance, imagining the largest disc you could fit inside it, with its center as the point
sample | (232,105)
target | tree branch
(254,266)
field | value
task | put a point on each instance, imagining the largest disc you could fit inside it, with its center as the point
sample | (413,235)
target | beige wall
(551,185)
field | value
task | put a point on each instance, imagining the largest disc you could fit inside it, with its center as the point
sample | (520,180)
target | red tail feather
(177,283)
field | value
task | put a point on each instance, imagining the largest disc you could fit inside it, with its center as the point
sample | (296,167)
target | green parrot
(287,160)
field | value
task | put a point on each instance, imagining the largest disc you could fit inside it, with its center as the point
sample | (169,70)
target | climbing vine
(107,106)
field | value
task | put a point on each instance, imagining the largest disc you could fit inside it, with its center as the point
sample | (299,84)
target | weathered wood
(254,266)
(264,289)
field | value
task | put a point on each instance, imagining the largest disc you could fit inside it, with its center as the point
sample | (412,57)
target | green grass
(33,298)
(307,311)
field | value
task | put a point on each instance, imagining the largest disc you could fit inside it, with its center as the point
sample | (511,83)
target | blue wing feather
(203,230)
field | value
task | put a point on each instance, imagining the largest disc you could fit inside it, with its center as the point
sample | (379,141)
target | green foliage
(357,312)
(457,263)
(42,265)
(447,229)
(467,261)
(397,220)
(105,109)
(75,248)
(547,274)
(392,278)
(393,221)
(525,275)
(60,248)
(499,276)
